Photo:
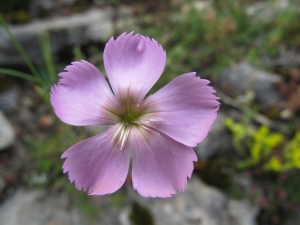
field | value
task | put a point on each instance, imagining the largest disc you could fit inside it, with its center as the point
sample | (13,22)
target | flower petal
(186,108)
(133,64)
(96,165)
(159,165)
(83,97)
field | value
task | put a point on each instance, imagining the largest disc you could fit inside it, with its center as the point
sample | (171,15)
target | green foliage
(204,40)
(264,142)
(45,152)
(20,50)
(19,74)
(239,131)
(45,160)
(262,147)
(45,45)
(45,76)
(78,54)
(292,153)
(211,39)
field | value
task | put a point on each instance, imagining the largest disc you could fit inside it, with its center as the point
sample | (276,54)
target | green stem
(19,48)
(18,74)
(45,45)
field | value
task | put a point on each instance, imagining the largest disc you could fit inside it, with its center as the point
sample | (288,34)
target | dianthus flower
(159,131)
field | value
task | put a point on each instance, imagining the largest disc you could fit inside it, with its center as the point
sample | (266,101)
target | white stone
(7,134)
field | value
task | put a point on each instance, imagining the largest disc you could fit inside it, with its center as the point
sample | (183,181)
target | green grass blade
(19,48)
(18,74)
(78,54)
(46,50)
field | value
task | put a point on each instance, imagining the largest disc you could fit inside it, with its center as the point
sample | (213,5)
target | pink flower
(158,131)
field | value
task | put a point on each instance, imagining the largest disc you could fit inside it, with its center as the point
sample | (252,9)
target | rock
(294,218)
(67,2)
(9,100)
(243,78)
(194,5)
(93,25)
(124,217)
(36,207)
(42,6)
(243,212)
(287,57)
(7,134)
(2,184)
(268,10)
(217,140)
(199,204)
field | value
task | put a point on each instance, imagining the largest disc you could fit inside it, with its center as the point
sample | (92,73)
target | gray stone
(243,212)
(294,218)
(268,10)
(2,184)
(7,134)
(44,5)
(287,57)
(243,78)
(36,208)
(67,2)
(39,207)
(93,25)
(217,140)
(199,204)
(9,100)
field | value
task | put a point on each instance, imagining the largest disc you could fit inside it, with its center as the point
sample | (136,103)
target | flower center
(128,119)
(132,117)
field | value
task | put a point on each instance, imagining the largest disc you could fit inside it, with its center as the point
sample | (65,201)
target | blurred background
(248,168)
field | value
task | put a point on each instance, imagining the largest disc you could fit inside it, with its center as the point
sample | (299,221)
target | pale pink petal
(160,165)
(83,97)
(133,64)
(187,108)
(96,164)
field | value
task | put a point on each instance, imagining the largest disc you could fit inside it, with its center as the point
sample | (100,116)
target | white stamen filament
(118,131)
(122,133)
(147,128)
(127,131)
(124,130)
